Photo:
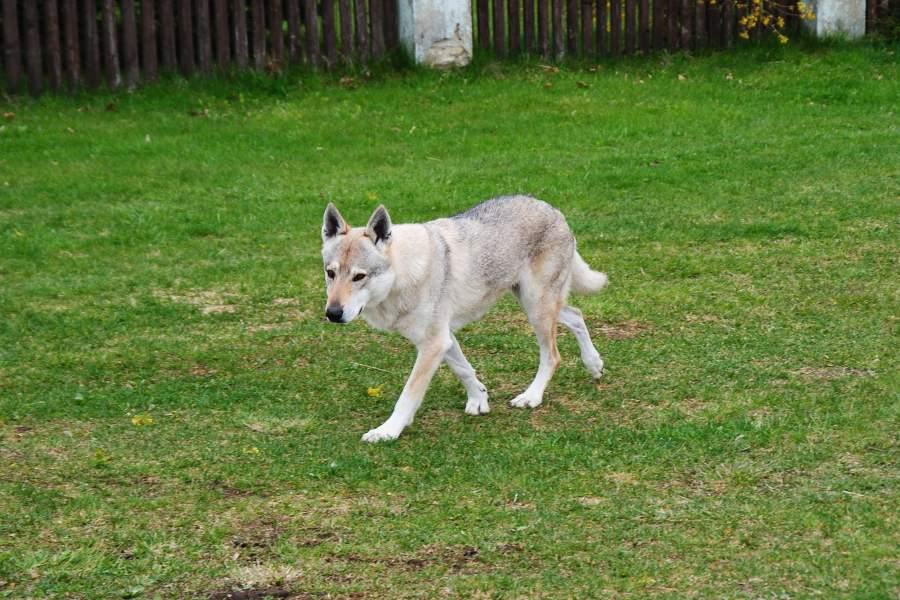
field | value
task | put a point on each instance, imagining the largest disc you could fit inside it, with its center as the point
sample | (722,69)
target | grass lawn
(177,420)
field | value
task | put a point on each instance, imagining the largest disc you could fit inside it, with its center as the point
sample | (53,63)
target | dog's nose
(334,313)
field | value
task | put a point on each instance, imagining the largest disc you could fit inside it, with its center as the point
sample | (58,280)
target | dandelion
(101,457)
(251,450)
(375,392)
(141,420)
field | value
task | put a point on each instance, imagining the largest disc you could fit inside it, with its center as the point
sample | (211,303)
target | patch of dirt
(208,302)
(10,454)
(690,407)
(201,370)
(831,373)
(457,558)
(233,492)
(622,478)
(624,330)
(285,302)
(150,485)
(273,426)
(252,594)
(510,548)
(254,539)
(316,536)
(218,309)
(690,318)
(264,327)
(591,500)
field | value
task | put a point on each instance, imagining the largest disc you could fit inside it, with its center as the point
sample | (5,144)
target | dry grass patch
(259,581)
(208,302)
(832,373)
(624,330)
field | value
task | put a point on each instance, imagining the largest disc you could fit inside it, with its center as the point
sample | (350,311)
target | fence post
(52,44)
(33,56)
(71,50)
(442,40)
(838,17)
(148,39)
(12,50)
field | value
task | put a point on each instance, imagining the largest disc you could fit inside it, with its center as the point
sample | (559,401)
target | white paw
(478,406)
(382,434)
(594,365)
(526,400)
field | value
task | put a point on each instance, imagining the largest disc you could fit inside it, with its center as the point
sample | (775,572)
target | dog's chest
(394,316)
(379,318)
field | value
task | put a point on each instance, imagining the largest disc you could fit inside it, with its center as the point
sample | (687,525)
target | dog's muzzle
(335,314)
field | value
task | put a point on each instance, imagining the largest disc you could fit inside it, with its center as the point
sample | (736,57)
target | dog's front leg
(431,353)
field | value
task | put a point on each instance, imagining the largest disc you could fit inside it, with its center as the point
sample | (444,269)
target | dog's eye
(359,277)
(330,274)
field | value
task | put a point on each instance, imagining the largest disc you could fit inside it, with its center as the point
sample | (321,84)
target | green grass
(160,256)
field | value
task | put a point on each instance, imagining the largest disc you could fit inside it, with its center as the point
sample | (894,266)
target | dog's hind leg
(477,403)
(431,353)
(571,318)
(542,307)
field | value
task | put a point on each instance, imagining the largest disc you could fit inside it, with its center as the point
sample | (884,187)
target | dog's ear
(334,224)
(379,228)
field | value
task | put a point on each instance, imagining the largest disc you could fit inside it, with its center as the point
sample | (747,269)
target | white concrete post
(841,17)
(437,33)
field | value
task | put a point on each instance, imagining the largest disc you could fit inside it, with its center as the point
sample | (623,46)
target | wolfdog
(427,280)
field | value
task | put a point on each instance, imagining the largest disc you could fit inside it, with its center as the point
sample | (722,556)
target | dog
(427,280)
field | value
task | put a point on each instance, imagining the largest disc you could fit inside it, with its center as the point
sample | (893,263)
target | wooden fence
(59,44)
(72,44)
(594,28)
(588,28)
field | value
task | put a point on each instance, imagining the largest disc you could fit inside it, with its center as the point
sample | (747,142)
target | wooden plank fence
(72,44)
(588,28)
(60,45)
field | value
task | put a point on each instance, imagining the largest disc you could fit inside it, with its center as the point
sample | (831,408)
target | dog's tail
(585,280)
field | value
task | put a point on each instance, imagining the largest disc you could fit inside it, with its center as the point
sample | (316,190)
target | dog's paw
(478,406)
(594,365)
(381,434)
(526,401)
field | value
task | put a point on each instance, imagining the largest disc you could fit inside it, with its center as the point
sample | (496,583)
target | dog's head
(357,267)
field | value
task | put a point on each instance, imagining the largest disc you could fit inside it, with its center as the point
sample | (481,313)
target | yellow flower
(744,35)
(780,22)
(140,420)
(783,39)
(101,456)
(251,450)
(375,392)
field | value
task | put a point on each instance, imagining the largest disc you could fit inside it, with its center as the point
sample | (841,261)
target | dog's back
(502,236)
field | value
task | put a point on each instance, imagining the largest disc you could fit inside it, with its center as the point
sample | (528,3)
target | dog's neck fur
(410,241)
